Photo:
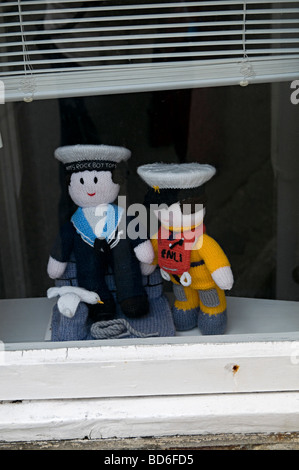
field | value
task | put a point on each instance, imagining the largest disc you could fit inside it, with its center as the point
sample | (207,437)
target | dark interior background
(229,127)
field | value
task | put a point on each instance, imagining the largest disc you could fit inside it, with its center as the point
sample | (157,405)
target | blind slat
(194,54)
(219,44)
(154,37)
(118,8)
(122,18)
(124,71)
(205,3)
(198,24)
(86,83)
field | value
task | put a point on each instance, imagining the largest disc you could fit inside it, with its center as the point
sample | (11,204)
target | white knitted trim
(77,153)
(176,175)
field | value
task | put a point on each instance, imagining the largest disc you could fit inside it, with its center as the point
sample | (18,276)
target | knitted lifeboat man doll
(93,237)
(186,255)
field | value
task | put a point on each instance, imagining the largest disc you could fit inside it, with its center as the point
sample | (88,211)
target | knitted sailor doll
(92,237)
(186,255)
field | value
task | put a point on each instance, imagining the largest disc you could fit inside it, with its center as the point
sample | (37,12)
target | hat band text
(90,165)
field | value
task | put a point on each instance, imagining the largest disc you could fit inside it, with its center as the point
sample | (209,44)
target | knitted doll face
(92,188)
(180,216)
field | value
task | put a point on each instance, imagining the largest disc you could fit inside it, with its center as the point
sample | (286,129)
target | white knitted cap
(77,153)
(176,175)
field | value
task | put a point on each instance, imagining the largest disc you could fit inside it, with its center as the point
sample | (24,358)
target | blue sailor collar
(83,228)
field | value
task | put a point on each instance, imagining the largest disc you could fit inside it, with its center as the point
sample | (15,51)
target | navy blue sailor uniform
(97,249)
(94,255)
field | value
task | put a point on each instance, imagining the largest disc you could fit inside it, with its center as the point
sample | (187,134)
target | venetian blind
(75,48)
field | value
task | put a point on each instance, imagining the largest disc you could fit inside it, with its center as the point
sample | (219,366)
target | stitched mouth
(91,194)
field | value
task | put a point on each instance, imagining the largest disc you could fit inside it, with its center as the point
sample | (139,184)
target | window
(167,98)
(86,48)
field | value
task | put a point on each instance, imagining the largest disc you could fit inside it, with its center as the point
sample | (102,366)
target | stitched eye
(95,180)
(81,180)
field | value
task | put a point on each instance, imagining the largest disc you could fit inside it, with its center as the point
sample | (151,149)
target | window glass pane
(251,201)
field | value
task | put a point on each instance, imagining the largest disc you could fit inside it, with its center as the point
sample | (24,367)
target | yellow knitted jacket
(207,255)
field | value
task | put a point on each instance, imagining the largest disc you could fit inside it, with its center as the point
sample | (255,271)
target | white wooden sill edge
(241,361)
(145,370)
(149,416)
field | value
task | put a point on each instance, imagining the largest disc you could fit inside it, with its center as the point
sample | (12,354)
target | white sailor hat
(91,157)
(172,182)
(176,175)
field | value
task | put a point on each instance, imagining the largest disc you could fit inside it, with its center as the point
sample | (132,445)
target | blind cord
(246,68)
(27,83)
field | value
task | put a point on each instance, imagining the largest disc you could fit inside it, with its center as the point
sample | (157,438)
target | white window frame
(164,386)
(150,388)
(185,385)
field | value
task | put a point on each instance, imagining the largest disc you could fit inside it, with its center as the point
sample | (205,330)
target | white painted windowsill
(244,381)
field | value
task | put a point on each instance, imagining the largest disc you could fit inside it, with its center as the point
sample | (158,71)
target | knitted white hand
(55,268)
(223,278)
(145,252)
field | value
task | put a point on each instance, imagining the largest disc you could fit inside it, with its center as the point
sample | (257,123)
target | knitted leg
(212,324)
(212,319)
(130,292)
(77,327)
(186,307)
(153,285)
(159,308)
(91,269)
(70,329)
